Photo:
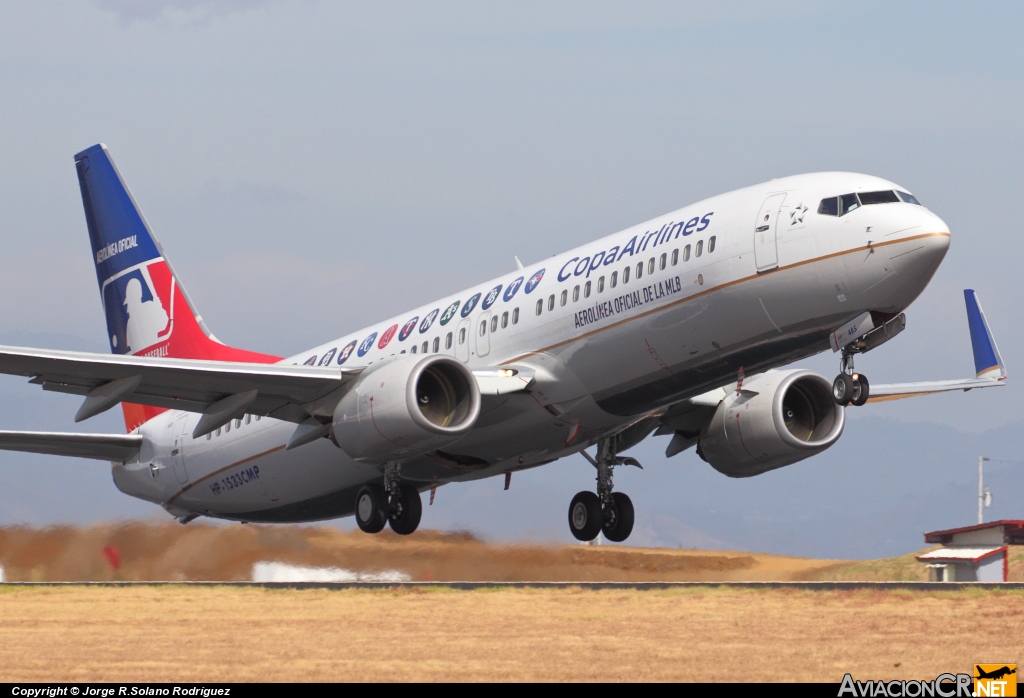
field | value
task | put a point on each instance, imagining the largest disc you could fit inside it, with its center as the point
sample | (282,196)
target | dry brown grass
(696,634)
(170,552)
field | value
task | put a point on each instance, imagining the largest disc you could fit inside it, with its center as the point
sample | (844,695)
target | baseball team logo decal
(491,296)
(534,280)
(470,304)
(367,344)
(407,329)
(346,352)
(512,288)
(449,313)
(325,360)
(386,337)
(428,321)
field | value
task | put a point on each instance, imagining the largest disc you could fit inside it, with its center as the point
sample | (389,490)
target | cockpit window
(841,205)
(847,202)
(878,197)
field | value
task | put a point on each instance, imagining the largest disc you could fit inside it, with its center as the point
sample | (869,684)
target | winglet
(987,361)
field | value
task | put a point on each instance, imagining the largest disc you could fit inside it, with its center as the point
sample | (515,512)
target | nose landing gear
(606,512)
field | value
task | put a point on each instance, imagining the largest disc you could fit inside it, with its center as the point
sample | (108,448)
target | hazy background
(311,167)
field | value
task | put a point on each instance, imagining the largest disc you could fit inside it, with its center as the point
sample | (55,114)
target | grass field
(213,634)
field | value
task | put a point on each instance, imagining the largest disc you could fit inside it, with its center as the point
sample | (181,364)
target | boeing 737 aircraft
(675,327)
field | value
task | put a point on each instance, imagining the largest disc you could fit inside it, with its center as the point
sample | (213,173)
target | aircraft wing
(685,420)
(221,390)
(108,447)
(988,364)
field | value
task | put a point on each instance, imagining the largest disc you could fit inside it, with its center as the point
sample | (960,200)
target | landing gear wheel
(618,523)
(861,390)
(842,389)
(371,508)
(406,510)
(585,516)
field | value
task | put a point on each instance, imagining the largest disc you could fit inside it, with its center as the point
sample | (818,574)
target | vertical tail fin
(987,361)
(148,311)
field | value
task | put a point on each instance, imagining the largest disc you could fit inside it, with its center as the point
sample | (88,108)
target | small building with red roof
(973,553)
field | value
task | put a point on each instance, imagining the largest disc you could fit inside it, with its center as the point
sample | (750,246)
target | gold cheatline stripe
(226,467)
(717,288)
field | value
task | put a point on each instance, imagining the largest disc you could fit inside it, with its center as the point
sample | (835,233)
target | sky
(311,167)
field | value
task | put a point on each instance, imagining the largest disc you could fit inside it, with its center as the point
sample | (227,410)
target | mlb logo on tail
(139,306)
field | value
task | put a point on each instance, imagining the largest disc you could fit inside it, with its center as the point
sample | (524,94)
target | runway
(594,586)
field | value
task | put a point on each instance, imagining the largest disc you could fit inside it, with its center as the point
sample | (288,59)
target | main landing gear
(396,503)
(849,387)
(606,512)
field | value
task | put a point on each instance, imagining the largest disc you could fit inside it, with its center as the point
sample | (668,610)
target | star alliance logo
(797,214)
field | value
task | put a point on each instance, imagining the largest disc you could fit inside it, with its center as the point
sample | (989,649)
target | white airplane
(674,327)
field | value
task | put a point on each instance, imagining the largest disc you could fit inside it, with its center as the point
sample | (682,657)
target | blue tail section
(987,361)
(148,312)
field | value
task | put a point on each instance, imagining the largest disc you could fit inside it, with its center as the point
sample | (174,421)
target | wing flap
(109,447)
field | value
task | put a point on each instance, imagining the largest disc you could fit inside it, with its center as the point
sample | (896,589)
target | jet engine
(406,407)
(778,418)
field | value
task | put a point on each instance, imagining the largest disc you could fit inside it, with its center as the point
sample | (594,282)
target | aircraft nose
(918,254)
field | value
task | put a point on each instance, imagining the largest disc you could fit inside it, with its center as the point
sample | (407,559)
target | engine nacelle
(792,416)
(406,407)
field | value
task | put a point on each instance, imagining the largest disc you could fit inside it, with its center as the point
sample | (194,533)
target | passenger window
(700,247)
(639,270)
(483,329)
(711,244)
(437,343)
(504,320)
(218,431)
(227,427)
(248,418)
(515,316)
(586,290)
(494,322)
(614,281)
(412,349)
(551,302)
(686,253)
(829,207)
(650,266)
(540,305)
(209,436)
(675,256)
(565,296)
(600,285)
(625,275)
(448,341)
(847,202)
(462,336)
(664,262)
(575,294)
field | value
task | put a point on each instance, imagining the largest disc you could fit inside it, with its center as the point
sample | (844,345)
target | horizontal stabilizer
(110,447)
